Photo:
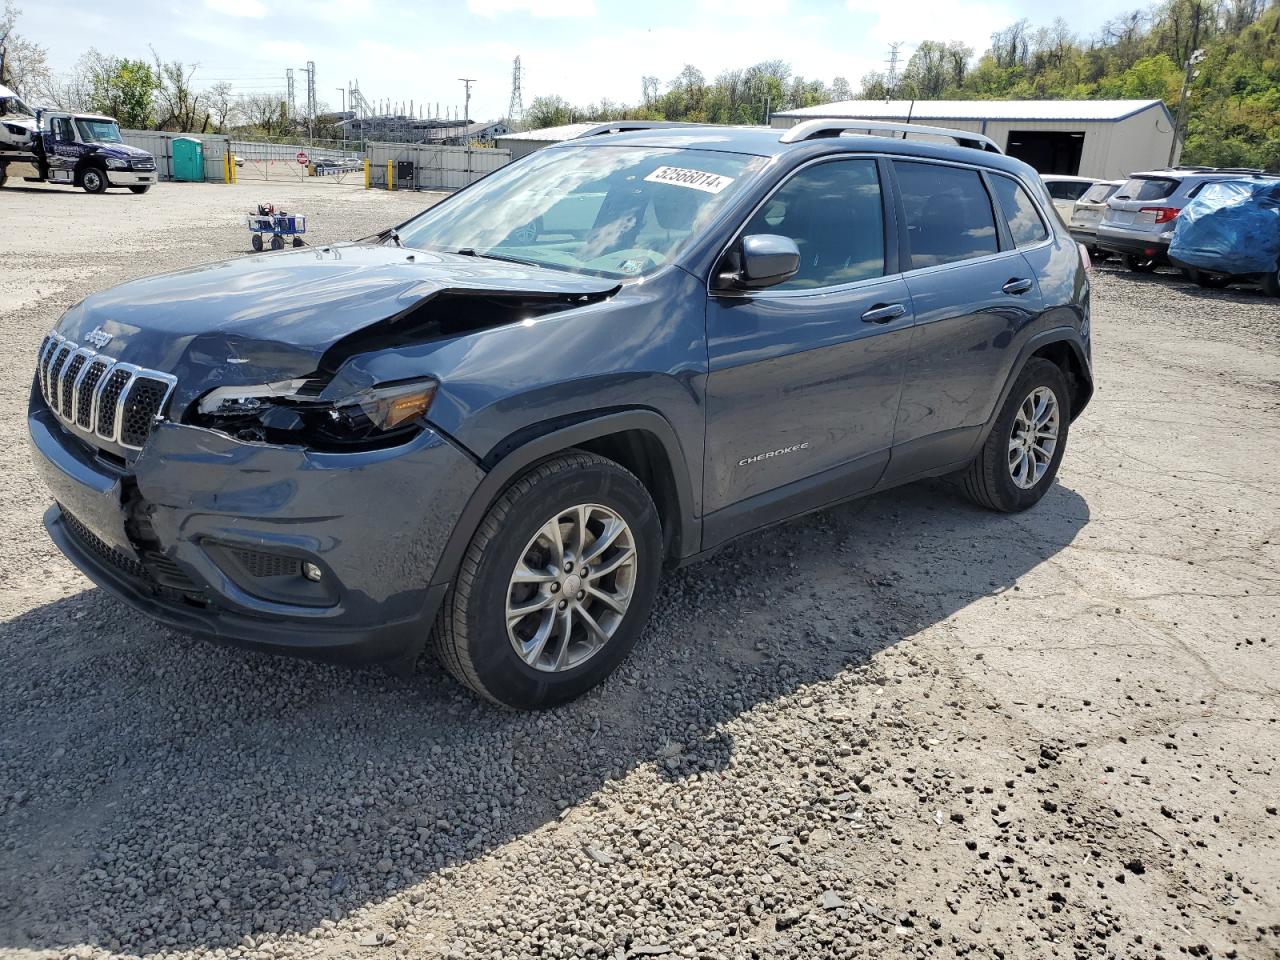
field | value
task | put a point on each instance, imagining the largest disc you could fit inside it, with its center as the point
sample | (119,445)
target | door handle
(884,312)
(1017,285)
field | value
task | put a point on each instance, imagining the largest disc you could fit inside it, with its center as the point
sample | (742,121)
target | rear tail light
(1084,257)
(1161,214)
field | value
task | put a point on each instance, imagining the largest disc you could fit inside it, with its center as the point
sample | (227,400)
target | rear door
(804,377)
(972,291)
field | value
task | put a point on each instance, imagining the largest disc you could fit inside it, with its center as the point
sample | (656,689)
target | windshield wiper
(470,252)
(392,234)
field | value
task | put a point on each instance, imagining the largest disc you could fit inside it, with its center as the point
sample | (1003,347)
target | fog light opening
(311,571)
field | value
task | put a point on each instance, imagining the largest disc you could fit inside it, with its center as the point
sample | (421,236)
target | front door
(804,377)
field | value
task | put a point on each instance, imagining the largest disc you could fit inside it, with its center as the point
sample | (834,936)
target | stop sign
(302,158)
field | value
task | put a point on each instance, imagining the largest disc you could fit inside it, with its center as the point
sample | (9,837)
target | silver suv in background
(1087,213)
(1139,220)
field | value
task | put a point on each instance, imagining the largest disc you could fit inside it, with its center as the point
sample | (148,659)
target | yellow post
(366,173)
(226,166)
(233,168)
(391,181)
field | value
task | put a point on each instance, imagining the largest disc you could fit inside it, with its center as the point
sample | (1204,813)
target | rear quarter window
(1147,188)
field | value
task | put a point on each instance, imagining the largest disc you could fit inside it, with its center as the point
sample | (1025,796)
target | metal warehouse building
(1090,138)
(522,144)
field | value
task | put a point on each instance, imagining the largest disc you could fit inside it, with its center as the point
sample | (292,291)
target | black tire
(1209,281)
(1271,283)
(94,180)
(470,636)
(987,480)
(1140,264)
(140,188)
(1099,256)
(277,243)
(4,177)
(256,242)
(297,241)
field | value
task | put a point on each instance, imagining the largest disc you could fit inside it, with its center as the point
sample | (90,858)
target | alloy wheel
(1034,437)
(571,587)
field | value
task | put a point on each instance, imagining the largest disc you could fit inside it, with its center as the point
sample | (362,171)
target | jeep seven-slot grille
(117,402)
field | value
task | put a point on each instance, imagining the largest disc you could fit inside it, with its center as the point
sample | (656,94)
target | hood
(122,150)
(285,315)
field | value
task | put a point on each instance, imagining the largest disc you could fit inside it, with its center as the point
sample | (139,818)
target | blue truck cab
(79,149)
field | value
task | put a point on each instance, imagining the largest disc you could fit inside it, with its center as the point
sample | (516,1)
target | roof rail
(619,126)
(833,127)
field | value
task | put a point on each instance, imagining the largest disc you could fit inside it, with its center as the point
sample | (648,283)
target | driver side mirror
(765,260)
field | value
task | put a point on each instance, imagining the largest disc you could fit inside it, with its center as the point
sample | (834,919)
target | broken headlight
(292,411)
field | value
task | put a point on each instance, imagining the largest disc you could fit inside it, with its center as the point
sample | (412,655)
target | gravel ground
(903,727)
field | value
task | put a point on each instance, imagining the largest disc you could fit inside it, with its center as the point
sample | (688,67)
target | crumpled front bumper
(158,531)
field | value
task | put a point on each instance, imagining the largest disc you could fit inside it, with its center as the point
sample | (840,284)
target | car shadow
(158,793)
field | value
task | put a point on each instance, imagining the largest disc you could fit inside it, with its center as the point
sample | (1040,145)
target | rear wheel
(1021,455)
(556,585)
(1208,280)
(1140,264)
(277,243)
(141,188)
(94,180)
(1271,282)
(256,242)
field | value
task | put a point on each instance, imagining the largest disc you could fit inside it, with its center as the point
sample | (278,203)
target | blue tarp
(1231,227)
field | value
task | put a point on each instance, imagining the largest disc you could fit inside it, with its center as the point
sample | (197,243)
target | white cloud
(535,8)
(254,9)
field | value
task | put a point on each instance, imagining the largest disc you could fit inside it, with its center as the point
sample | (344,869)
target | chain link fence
(422,166)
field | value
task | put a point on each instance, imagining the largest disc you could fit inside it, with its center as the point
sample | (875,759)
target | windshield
(13,107)
(1099,192)
(1147,188)
(601,210)
(99,131)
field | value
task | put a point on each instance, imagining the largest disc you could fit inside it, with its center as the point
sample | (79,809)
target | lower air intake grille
(103,550)
(260,564)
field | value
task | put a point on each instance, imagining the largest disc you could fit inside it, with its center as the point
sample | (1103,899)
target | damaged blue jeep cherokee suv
(491,427)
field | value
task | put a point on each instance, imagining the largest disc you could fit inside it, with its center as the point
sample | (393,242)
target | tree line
(1232,111)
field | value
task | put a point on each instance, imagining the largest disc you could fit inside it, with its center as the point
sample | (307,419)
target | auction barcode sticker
(694,179)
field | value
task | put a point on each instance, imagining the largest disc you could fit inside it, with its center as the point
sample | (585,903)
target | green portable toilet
(188,159)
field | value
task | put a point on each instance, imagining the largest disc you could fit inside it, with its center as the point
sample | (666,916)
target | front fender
(516,454)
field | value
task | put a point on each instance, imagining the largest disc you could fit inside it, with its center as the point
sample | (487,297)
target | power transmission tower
(311,98)
(293,100)
(515,109)
(891,77)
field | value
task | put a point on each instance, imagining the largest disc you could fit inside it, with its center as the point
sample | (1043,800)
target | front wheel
(1140,264)
(1271,283)
(140,188)
(1020,457)
(94,180)
(556,585)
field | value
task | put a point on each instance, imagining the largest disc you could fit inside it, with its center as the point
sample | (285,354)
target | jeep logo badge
(98,337)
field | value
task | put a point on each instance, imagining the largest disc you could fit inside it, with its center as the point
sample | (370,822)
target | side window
(62,129)
(834,214)
(948,213)
(1025,225)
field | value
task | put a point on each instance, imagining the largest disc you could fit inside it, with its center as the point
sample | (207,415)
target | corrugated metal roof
(552,134)
(1083,110)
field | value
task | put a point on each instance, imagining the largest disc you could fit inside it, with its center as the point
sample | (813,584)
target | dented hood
(274,316)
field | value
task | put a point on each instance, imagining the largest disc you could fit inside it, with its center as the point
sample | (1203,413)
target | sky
(582,50)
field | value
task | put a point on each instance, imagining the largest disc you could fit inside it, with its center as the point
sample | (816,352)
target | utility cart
(267,222)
